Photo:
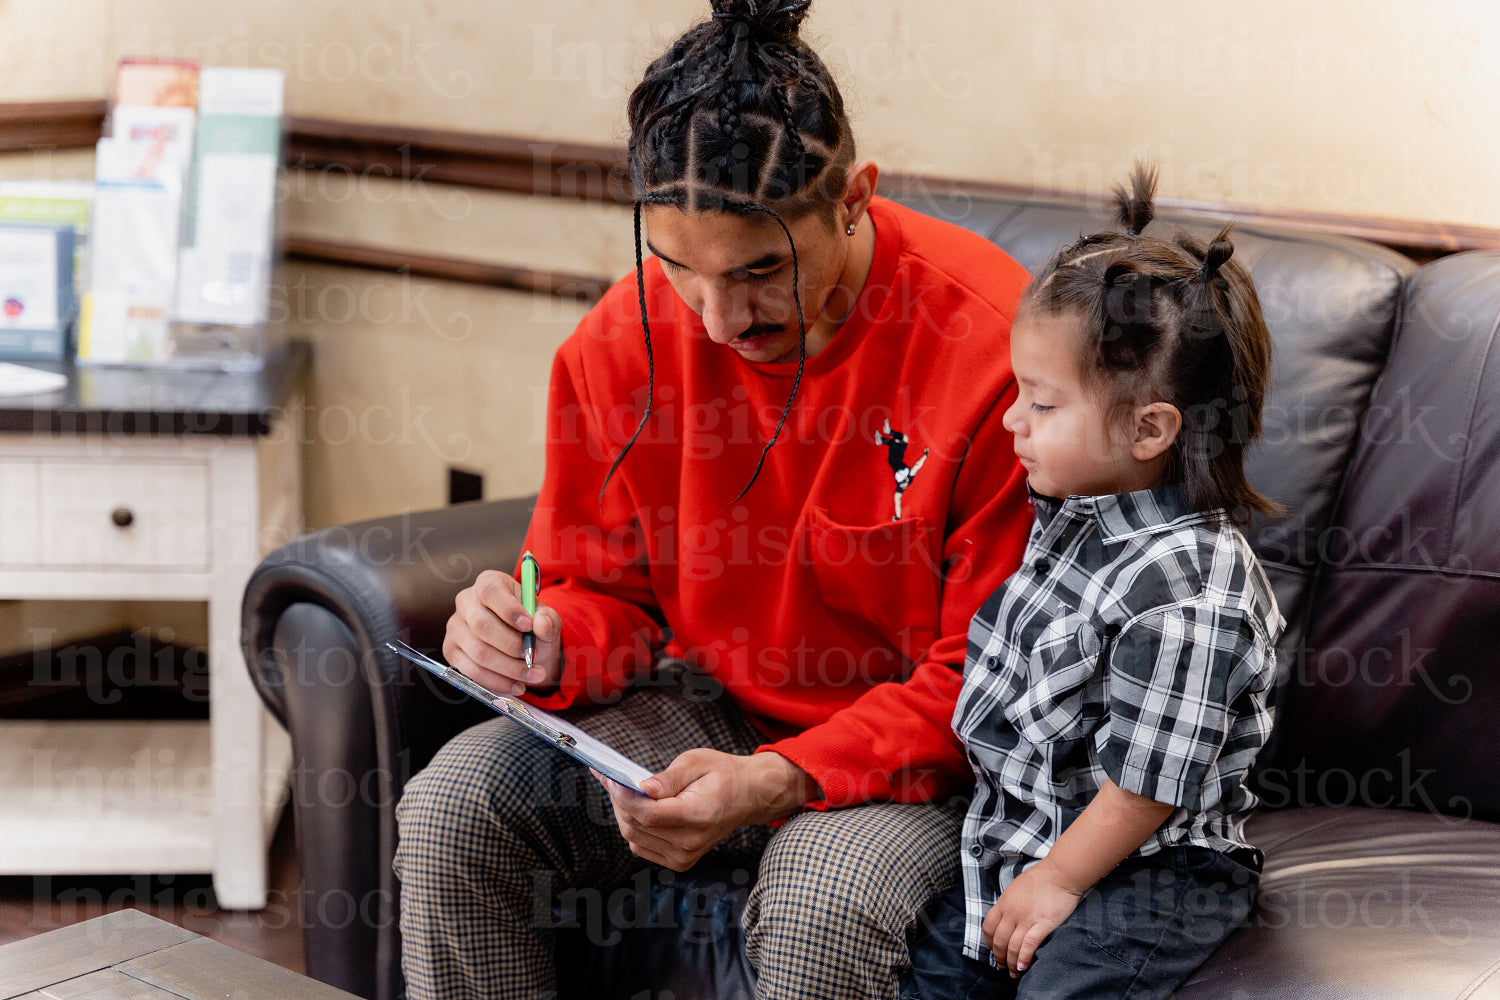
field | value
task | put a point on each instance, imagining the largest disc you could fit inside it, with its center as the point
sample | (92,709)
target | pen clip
(518,711)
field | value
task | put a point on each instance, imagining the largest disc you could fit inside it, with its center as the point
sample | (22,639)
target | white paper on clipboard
(554,729)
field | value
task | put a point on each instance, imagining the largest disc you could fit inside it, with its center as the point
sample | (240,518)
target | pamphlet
(231,212)
(36,289)
(137,202)
(62,202)
(162,83)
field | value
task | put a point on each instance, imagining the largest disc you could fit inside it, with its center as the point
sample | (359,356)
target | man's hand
(484,637)
(702,798)
(1033,906)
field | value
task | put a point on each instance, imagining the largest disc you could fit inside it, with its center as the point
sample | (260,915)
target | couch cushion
(1379,904)
(1397,698)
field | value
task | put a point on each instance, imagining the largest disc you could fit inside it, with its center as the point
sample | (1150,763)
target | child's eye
(1039,408)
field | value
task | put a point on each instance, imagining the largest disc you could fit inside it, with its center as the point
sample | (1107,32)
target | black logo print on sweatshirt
(895,444)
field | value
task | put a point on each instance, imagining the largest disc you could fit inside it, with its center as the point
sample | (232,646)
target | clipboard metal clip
(517,711)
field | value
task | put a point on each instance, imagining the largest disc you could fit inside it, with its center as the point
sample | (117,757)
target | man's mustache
(760,330)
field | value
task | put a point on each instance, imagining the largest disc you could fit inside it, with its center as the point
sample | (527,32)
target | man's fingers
(475,650)
(485,637)
(495,626)
(645,814)
(490,680)
(546,655)
(487,656)
(687,768)
(501,594)
(640,826)
(545,625)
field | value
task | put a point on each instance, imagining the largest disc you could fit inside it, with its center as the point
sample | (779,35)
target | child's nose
(1012,421)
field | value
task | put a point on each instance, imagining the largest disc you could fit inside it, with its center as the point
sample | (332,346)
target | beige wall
(411,377)
(1367,107)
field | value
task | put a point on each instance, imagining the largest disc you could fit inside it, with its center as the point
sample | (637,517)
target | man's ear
(859,188)
(1156,426)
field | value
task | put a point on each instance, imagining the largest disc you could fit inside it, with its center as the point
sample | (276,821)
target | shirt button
(977,851)
(1042,565)
(993,663)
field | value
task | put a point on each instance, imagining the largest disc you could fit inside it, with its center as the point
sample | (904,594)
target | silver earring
(849,230)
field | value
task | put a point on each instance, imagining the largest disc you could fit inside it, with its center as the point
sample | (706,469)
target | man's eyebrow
(765,260)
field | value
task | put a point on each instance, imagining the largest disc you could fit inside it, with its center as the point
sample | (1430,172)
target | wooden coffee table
(130,955)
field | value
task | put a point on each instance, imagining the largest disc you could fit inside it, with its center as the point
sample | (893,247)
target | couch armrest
(316,616)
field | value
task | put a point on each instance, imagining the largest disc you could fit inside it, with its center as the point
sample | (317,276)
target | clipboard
(554,729)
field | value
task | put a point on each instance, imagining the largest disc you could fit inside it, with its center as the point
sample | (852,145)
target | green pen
(531,586)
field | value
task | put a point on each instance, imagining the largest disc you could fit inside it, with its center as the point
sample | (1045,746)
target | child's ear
(1156,427)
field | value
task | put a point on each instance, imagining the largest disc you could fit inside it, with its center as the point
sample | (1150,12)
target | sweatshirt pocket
(881,580)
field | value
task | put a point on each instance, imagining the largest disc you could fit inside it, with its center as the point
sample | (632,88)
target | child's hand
(1033,906)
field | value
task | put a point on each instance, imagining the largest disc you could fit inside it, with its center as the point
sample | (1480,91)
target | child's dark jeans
(1138,933)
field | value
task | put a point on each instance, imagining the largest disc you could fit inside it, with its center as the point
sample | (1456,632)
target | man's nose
(726,311)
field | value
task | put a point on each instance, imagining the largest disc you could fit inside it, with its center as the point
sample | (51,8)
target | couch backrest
(1331,305)
(1382,438)
(1396,701)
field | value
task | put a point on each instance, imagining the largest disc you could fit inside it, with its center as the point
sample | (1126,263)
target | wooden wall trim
(579,287)
(596,173)
(50,125)
(495,162)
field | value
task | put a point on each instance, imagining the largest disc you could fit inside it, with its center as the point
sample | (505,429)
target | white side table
(165,486)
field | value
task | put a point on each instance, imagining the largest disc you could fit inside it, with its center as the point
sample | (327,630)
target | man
(736,591)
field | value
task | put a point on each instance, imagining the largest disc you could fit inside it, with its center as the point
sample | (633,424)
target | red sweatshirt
(840,631)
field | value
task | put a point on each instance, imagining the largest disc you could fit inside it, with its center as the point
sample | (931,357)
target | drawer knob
(122,517)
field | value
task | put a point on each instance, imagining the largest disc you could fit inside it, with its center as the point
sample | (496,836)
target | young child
(1116,688)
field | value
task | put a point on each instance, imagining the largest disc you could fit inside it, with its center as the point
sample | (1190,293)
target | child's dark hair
(738,115)
(1171,321)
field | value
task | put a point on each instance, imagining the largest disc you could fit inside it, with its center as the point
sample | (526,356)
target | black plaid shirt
(1135,643)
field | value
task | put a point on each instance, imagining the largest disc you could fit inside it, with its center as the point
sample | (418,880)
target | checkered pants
(497,830)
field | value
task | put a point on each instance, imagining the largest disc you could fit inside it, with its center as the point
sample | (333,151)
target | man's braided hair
(738,115)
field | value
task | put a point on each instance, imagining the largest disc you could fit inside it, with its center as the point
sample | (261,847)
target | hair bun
(1134,209)
(778,20)
(1217,254)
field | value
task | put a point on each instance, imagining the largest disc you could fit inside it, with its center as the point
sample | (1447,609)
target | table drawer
(137,514)
(18,513)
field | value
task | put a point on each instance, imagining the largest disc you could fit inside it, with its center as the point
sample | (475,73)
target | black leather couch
(1380,785)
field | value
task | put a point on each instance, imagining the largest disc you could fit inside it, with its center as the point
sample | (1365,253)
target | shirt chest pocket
(1061,671)
(881,579)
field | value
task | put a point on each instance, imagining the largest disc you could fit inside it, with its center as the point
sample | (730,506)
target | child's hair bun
(1217,254)
(1134,209)
(774,20)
